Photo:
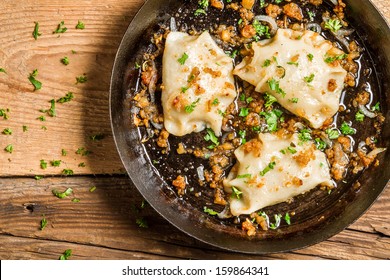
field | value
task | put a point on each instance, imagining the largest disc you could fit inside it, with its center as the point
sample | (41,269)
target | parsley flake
(67,98)
(67,172)
(268,168)
(80,25)
(332,133)
(37,84)
(346,129)
(333,25)
(36,33)
(9,148)
(359,117)
(236,193)
(66,255)
(65,60)
(210,211)
(81,79)
(182,60)
(43,223)
(7,131)
(210,136)
(60,28)
(309,79)
(190,108)
(64,194)
(271,118)
(142,223)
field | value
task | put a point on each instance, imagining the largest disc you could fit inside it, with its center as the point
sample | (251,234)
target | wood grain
(106,220)
(103,224)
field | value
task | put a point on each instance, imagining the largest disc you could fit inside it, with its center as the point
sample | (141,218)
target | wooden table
(103,224)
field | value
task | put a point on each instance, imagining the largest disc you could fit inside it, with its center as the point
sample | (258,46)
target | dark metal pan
(350,204)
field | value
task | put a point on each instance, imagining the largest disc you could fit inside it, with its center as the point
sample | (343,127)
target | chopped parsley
(60,28)
(215,102)
(82,151)
(210,211)
(82,164)
(271,118)
(268,168)
(236,193)
(9,148)
(200,12)
(332,133)
(210,136)
(294,100)
(41,118)
(64,152)
(287,218)
(38,177)
(7,131)
(320,144)
(92,189)
(55,163)
(359,117)
(64,194)
(37,84)
(36,33)
(81,79)
(3,113)
(190,108)
(274,85)
(346,129)
(182,60)
(66,255)
(331,59)
(142,222)
(376,107)
(333,25)
(43,164)
(80,25)
(65,60)
(292,150)
(242,176)
(25,128)
(242,134)
(67,172)
(269,100)
(266,63)
(52,111)
(97,137)
(43,223)
(2,70)
(309,79)
(261,30)
(244,112)
(67,98)
(304,135)
(232,54)
(293,63)
(310,57)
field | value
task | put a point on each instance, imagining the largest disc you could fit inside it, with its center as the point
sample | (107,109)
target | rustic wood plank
(87,115)
(106,218)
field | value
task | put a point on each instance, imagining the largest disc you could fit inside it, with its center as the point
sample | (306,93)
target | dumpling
(301,70)
(198,84)
(270,170)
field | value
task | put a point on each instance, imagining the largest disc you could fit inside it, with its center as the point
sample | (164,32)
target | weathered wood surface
(102,225)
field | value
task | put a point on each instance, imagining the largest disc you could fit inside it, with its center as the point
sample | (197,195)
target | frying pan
(334,217)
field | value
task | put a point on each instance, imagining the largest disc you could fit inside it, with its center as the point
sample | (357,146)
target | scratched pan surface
(320,218)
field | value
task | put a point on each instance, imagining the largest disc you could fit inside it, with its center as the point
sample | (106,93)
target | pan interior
(348,203)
